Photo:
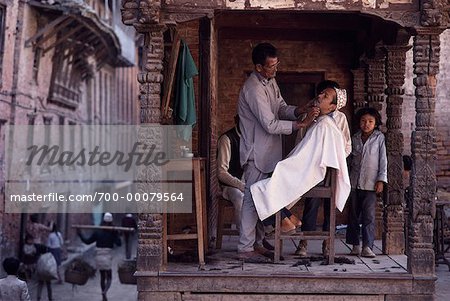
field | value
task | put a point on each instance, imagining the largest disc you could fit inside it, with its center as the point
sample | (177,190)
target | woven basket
(76,277)
(126,277)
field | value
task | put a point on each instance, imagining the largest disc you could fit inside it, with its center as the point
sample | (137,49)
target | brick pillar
(423,149)
(150,79)
(375,97)
(394,225)
(359,94)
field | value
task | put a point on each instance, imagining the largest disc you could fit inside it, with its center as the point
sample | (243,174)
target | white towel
(304,168)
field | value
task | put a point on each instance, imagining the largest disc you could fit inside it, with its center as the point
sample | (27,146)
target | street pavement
(91,290)
(442,283)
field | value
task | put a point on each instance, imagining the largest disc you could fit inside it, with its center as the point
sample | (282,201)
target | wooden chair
(225,210)
(326,191)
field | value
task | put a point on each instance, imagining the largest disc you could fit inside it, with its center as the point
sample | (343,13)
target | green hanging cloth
(184,103)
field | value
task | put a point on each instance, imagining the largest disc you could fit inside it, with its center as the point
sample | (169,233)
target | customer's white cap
(107,217)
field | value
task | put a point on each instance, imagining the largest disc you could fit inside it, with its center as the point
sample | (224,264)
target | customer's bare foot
(295,221)
(287,226)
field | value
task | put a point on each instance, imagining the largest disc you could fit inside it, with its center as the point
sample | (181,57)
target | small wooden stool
(224,210)
(327,191)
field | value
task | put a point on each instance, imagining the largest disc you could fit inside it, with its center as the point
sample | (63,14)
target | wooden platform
(225,277)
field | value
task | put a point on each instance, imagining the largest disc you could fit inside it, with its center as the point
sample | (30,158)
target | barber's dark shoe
(267,245)
(253,257)
(266,253)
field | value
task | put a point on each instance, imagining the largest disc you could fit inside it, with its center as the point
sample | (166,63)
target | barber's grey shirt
(368,161)
(261,110)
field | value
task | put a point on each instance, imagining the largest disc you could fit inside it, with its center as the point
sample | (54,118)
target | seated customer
(311,205)
(305,167)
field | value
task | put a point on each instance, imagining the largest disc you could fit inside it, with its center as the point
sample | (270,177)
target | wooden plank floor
(225,262)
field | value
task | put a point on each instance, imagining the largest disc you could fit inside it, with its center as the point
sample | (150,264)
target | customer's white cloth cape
(305,167)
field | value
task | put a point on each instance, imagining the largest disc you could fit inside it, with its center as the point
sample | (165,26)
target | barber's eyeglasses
(272,67)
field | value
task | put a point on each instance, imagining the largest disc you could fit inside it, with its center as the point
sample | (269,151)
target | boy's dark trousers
(362,208)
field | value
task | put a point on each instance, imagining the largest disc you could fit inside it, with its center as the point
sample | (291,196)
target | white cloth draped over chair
(304,168)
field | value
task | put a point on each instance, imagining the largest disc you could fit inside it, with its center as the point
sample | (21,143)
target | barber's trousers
(251,229)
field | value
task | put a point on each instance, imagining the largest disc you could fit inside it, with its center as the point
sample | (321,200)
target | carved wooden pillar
(359,95)
(144,15)
(375,98)
(394,225)
(150,79)
(423,149)
(376,79)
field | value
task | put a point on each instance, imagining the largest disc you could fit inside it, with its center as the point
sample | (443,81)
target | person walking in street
(55,243)
(105,240)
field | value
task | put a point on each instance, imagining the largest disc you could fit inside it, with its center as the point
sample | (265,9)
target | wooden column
(204,122)
(150,79)
(394,225)
(423,149)
(376,79)
(144,15)
(374,98)
(359,94)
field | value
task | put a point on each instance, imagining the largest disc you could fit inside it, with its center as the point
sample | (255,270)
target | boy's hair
(11,265)
(372,112)
(261,52)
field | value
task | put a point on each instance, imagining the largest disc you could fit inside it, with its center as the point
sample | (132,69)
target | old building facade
(62,63)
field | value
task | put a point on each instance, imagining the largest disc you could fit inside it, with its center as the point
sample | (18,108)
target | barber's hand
(379,187)
(313,112)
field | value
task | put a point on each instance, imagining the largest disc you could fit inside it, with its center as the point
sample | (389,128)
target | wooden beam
(49,28)
(112,228)
(88,26)
(291,34)
(168,83)
(64,37)
(294,20)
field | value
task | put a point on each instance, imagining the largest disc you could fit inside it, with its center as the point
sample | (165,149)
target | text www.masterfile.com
(99,197)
